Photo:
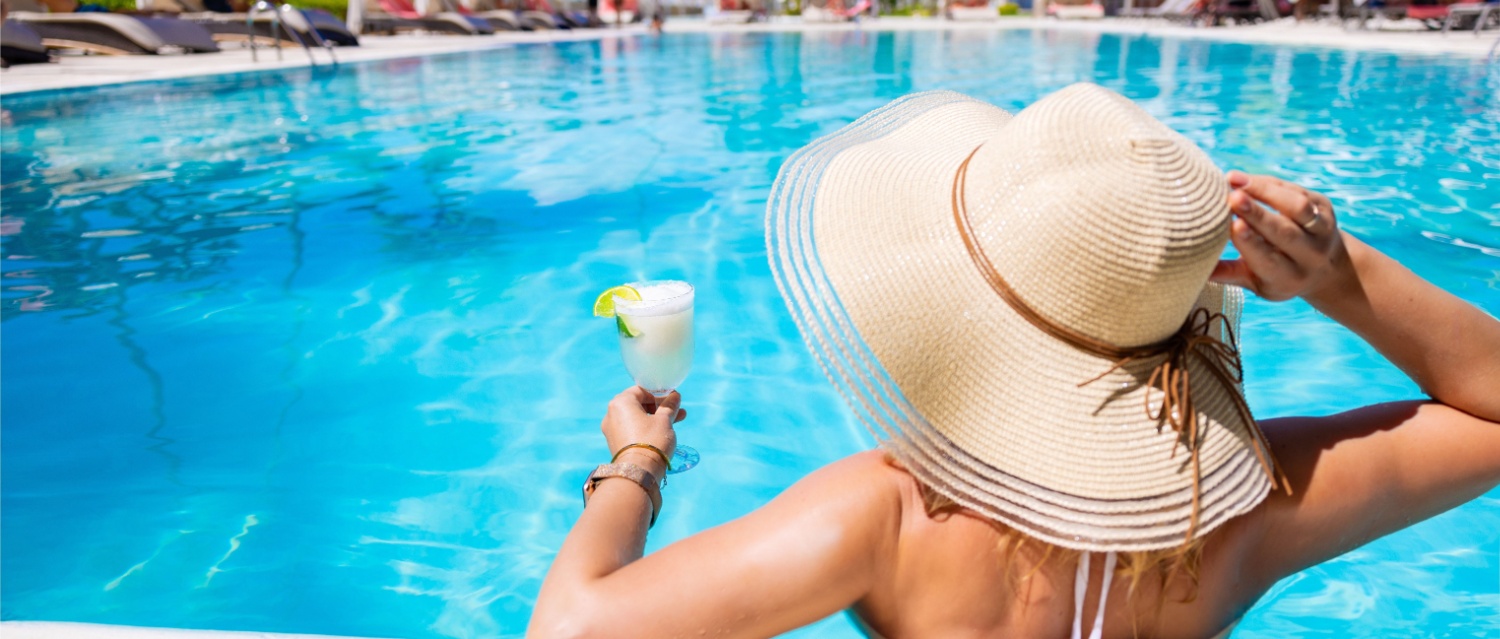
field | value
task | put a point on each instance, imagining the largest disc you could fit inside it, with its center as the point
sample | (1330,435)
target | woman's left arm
(814,550)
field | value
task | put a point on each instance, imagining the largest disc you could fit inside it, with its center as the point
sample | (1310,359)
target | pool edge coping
(114,71)
(93,71)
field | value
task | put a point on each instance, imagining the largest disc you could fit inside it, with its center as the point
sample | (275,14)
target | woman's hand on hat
(636,417)
(1293,250)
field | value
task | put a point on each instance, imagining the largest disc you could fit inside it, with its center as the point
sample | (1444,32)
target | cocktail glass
(656,339)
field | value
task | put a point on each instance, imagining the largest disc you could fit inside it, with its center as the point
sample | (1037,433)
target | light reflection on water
(279,345)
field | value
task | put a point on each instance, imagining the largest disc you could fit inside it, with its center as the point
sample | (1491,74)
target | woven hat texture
(1100,218)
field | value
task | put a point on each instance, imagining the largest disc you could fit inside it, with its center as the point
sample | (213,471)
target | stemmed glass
(656,340)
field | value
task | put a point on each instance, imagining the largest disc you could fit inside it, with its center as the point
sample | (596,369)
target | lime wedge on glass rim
(604,306)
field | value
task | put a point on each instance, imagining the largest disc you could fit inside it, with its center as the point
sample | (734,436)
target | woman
(1021,310)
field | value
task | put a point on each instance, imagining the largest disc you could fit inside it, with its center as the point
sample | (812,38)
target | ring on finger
(1317,217)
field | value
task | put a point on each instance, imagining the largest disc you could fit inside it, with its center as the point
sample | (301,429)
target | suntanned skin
(855,534)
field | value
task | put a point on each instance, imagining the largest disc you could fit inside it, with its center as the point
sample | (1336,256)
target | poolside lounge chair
(1219,11)
(833,11)
(1076,10)
(366,16)
(20,45)
(531,15)
(450,13)
(626,13)
(971,11)
(112,33)
(578,20)
(499,19)
(540,20)
(391,16)
(1183,10)
(1387,9)
(729,17)
(236,27)
(1483,13)
(1433,15)
(728,12)
(330,27)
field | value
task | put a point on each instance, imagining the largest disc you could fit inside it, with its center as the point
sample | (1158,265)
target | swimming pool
(312,352)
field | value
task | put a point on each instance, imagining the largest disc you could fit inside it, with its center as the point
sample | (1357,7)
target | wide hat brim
(975,401)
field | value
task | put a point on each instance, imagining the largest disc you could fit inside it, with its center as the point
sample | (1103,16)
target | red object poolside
(400,8)
(1432,11)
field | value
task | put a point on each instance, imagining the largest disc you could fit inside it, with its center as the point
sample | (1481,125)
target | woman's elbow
(1475,399)
(556,628)
(567,618)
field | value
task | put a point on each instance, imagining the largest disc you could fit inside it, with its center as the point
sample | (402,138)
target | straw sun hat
(1019,310)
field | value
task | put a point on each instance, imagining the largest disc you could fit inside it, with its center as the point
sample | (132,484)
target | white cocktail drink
(656,334)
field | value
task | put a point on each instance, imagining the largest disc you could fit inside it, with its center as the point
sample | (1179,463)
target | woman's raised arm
(812,551)
(1448,346)
(1369,472)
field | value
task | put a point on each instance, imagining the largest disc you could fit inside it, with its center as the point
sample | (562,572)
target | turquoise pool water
(312,353)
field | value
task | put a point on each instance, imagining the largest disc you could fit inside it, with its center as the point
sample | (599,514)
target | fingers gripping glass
(656,340)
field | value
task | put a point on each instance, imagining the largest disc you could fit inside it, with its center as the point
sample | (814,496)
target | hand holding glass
(656,339)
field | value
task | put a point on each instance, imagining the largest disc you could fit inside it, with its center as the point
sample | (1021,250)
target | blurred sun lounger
(19,44)
(393,16)
(112,33)
(239,27)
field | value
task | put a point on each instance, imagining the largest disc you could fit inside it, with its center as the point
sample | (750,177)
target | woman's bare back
(953,576)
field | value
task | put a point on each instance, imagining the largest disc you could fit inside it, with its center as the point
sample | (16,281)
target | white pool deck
(79,71)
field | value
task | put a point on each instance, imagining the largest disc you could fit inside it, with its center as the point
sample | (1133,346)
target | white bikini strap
(1109,574)
(1080,590)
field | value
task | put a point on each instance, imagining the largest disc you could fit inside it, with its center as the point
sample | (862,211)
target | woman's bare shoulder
(869,473)
(867,488)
